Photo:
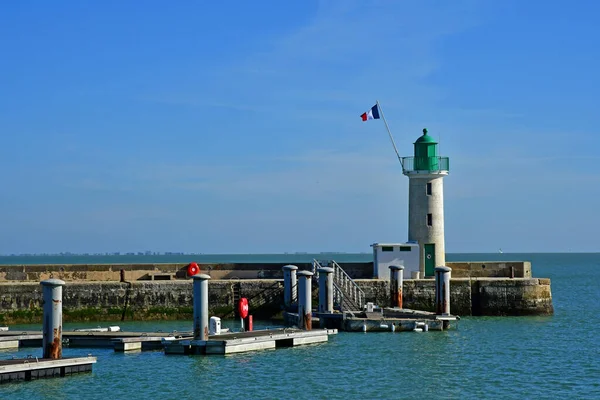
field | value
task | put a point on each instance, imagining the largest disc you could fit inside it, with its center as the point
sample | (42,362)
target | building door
(429,259)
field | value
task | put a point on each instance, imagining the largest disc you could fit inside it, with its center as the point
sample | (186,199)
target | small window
(405,248)
(428,188)
(387,248)
(429,219)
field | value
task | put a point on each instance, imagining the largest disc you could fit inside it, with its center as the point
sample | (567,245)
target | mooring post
(52,324)
(201,306)
(396,282)
(442,290)
(325,290)
(305,300)
(290,290)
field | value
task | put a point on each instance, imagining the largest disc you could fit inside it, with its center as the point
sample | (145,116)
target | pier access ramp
(347,295)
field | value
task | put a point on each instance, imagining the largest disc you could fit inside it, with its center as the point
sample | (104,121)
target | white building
(401,254)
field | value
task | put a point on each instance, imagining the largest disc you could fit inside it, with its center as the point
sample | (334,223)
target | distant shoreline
(256,258)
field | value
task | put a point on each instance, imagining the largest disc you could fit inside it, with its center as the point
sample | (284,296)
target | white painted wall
(383,259)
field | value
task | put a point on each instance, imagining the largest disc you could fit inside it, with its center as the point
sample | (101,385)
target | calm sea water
(500,357)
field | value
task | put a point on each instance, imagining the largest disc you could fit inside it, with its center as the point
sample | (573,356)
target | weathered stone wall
(134,272)
(96,301)
(86,272)
(511,297)
(144,300)
(419,294)
(481,296)
(490,269)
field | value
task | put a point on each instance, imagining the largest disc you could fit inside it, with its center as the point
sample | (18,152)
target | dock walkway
(384,320)
(27,369)
(175,342)
(120,341)
(237,342)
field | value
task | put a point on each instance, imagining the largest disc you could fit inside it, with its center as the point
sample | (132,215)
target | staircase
(347,296)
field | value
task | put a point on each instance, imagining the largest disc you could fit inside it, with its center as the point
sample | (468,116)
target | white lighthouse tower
(426,172)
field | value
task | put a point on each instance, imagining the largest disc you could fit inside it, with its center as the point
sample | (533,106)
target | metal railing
(352,292)
(426,164)
(347,295)
(315,268)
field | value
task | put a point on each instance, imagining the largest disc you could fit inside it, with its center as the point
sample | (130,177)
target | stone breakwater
(135,272)
(472,296)
(21,302)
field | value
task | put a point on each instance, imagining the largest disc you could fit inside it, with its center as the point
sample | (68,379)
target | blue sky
(233,127)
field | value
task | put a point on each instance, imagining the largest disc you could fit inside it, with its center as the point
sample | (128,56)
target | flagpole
(389,133)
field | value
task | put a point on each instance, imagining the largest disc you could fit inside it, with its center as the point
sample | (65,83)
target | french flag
(373,113)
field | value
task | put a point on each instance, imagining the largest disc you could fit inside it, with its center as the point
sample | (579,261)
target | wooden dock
(25,339)
(138,343)
(117,340)
(174,342)
(384,320)
(27,369)
(397,320)
(120,341)
(238,342)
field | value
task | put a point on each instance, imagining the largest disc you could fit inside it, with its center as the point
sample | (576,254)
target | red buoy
(243,307)
(193,269)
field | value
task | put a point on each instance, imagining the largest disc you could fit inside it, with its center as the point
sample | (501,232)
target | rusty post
(201,306)
(442,290)
(325,290)
(396,283)
(290,291)
(52,324)
(305,300)
(122,272)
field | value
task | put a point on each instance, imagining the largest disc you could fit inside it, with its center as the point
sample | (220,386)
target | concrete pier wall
(135,272)
(147,300)
(486,269)
(98,301)
(481,296)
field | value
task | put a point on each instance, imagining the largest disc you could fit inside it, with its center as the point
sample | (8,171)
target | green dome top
(426,138)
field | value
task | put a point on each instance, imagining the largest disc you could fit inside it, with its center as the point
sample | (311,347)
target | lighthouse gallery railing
(431,164)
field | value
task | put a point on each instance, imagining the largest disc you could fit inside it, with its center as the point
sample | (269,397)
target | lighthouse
(426,172)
